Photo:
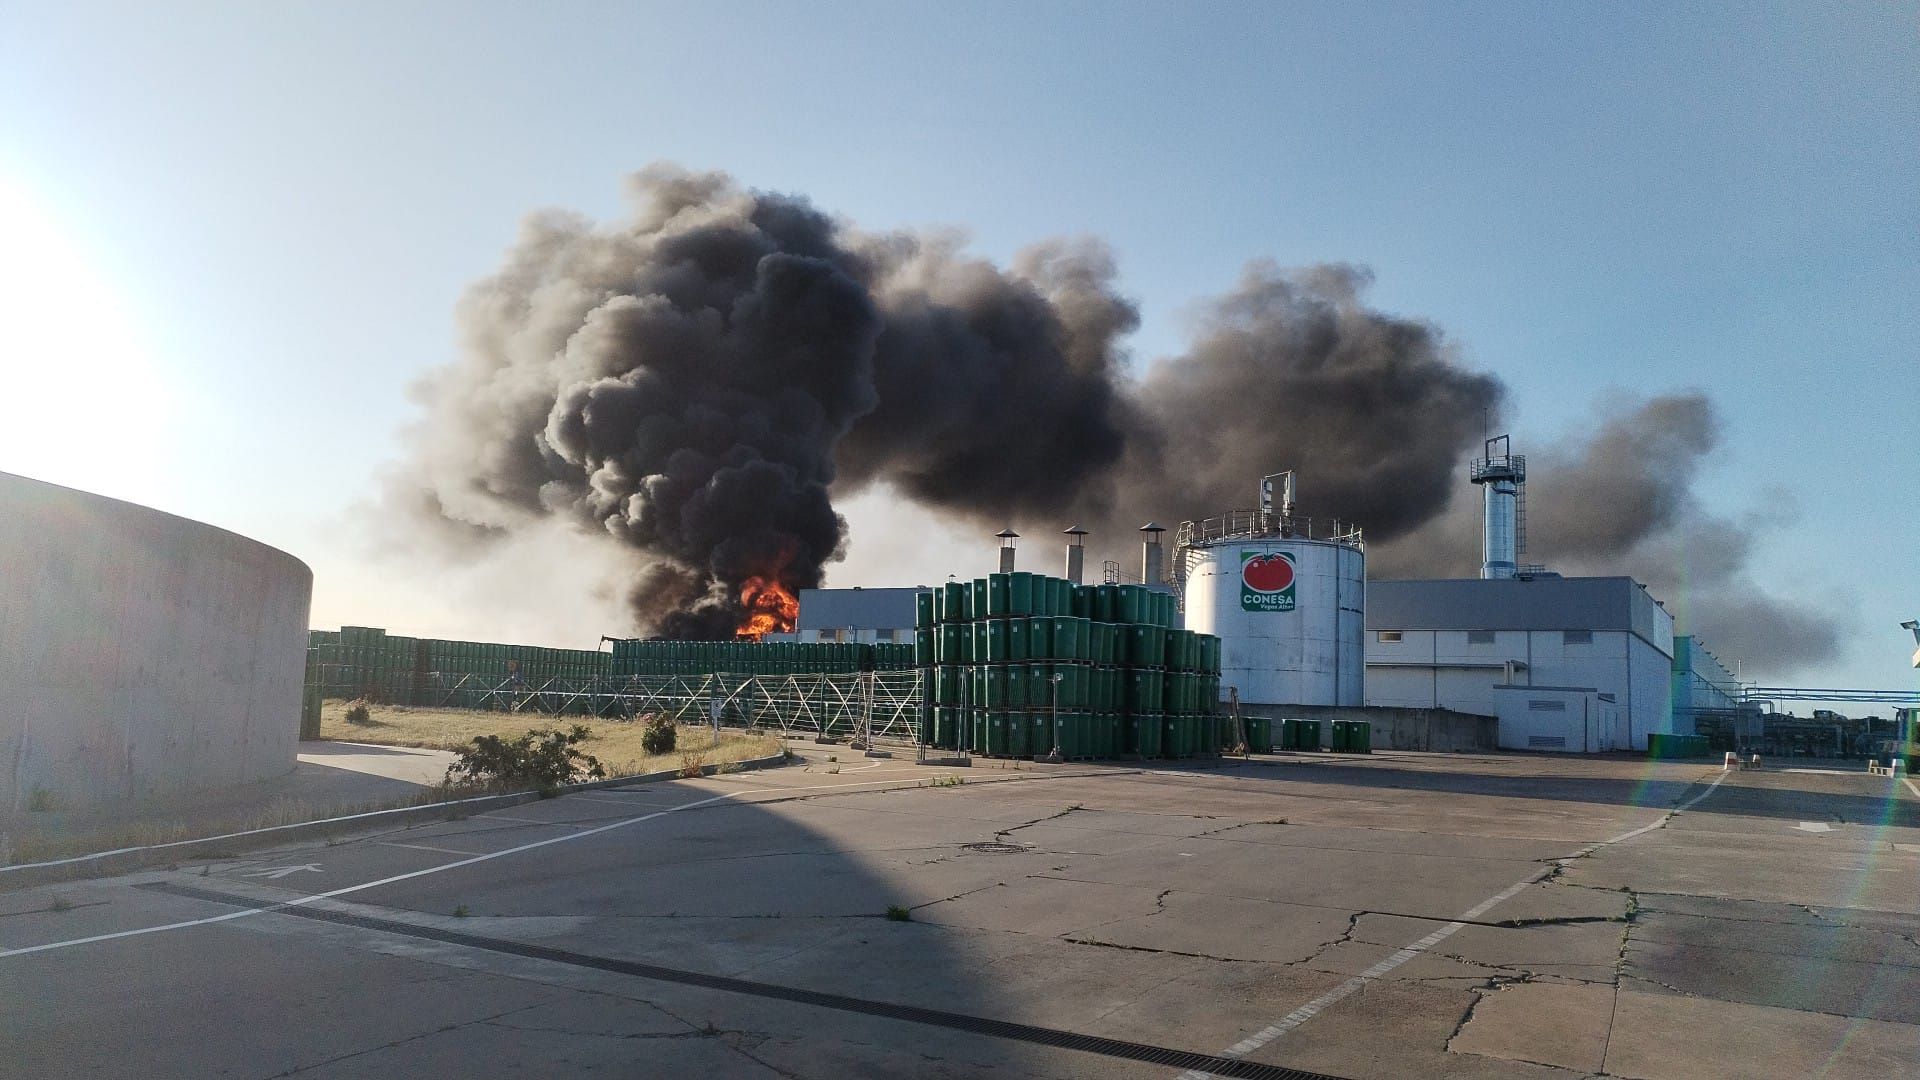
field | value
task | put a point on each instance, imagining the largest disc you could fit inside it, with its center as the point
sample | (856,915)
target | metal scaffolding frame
(868,706)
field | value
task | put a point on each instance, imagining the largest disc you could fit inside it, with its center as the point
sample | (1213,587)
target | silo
(1288,608)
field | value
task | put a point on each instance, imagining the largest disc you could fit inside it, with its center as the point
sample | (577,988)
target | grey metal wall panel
(1598,603)
(865,609)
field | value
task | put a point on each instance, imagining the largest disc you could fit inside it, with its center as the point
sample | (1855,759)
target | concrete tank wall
(1311,653)
(141,654)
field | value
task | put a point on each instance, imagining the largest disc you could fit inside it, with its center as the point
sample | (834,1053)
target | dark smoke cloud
(1293,370)
(1624,500)
(999,390)
(698,382)
(681,382)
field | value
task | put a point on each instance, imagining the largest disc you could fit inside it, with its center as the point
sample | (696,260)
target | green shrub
(896,913)
(357,712)
(661,736)
(541,758)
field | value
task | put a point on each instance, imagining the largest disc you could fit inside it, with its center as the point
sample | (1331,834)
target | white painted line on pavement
(424,847)
(530,821)
(1312,1008)
(301,901)
(92,856)
(1910,787)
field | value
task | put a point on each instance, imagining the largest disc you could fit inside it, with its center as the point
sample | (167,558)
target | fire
(771,608)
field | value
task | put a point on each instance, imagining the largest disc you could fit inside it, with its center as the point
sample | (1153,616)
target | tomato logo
(1266,581)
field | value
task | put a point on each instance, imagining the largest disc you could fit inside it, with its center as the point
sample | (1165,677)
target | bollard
(1732,762)
(1753,762)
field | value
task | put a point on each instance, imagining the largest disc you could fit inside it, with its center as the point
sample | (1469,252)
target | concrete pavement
(1403,914)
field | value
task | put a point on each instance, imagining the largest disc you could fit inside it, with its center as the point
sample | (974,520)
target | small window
(1576,637)
(1547,742)
(1547,706)
(829,635)
(1387,635)
(883,635)
(1479,637)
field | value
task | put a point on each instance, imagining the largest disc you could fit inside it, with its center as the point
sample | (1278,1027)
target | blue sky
(234,233)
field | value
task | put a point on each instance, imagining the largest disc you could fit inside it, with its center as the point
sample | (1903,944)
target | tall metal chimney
(1152,564)
(1076,554)
(1007,537)
(1502,478)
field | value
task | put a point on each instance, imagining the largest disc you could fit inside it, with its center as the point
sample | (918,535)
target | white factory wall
(141,654)
(1443,669)
(1563,719)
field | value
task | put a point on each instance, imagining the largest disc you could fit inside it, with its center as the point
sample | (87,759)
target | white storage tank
(1289,611)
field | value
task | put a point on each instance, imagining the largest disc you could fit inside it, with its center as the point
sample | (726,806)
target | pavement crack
(958,895)
(707,1032)
(391,1044)
(1039,820)
(1163,952)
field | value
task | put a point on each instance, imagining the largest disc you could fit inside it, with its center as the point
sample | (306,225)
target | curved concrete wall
(141,654)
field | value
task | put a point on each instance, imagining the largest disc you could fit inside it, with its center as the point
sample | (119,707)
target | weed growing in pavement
(460,912)
(948,781)
(896,913)
(728,767)
(60,903)
(693,765)
(41,801)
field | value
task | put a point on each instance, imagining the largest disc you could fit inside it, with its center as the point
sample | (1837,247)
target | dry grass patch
(615,743)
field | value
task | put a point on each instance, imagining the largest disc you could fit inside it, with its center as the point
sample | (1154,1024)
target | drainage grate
(994,847)
(978,1025)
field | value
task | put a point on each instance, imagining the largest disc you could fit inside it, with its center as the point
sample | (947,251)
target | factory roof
(860,609)
(1542,603)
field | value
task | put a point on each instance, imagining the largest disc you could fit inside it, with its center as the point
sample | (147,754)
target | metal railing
(1261,525)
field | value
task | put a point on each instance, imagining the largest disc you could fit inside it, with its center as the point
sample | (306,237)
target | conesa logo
(1266,581)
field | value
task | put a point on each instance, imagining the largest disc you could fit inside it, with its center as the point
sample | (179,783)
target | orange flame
(771,608)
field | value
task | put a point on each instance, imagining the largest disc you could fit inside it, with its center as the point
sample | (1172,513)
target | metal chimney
(1152,564)
(1503,479)
(1007,537)
(1076,553)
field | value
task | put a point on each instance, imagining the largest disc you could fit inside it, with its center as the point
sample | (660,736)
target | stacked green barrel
(362,662)
(1016,664)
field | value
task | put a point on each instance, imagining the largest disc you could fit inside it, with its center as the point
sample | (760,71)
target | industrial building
(1565,664)
(1518,657)
(1575,664)
(1706,694)
(848,615)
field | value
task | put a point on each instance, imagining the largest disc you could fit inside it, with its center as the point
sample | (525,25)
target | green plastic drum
(999,595)
(1040,638)
(1020,594)
(1018,629)
(1021,691)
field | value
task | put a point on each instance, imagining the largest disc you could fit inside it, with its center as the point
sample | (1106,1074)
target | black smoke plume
(700,381)
(681,382)
(1293,370)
